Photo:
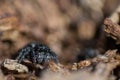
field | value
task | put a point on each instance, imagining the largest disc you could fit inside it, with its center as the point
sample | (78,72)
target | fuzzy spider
(36,53)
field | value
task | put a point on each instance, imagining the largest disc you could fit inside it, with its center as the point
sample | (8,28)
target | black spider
(36,53)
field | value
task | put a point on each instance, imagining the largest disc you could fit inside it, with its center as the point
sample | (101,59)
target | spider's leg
(47,57)
(54,57)
(33,56)
(40,57)
(22,55)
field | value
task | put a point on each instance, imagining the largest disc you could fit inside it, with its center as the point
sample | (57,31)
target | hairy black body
(36,53)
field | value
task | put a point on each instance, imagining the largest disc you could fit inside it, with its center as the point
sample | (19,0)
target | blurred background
(73,29)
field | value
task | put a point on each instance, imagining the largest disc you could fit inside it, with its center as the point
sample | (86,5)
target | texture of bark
(112,29)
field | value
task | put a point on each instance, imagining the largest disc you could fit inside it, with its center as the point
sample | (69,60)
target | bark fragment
(112,29)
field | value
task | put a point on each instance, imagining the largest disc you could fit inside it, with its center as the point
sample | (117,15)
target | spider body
(36,53)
